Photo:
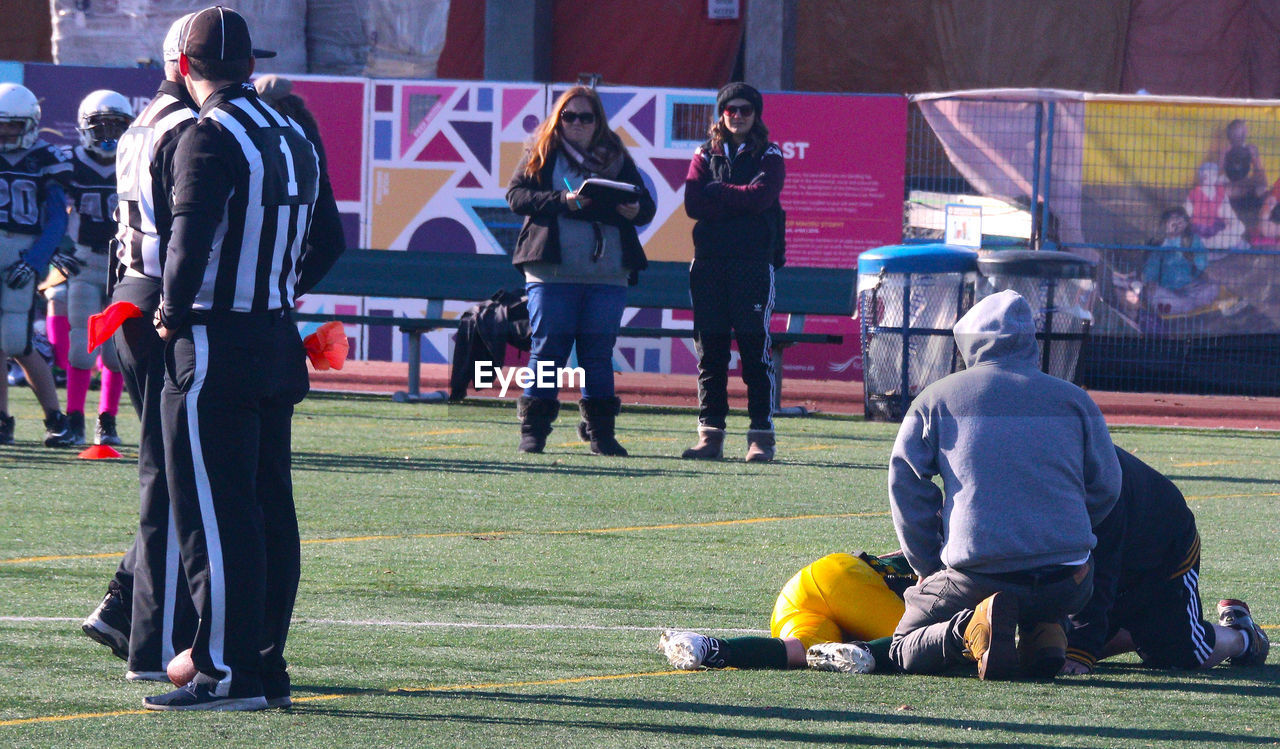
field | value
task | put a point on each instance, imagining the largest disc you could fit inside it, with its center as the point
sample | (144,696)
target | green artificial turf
(456,593)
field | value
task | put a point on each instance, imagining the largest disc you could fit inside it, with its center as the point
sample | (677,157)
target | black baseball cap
(220,33)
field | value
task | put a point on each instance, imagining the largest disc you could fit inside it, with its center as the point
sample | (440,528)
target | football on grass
(181,669)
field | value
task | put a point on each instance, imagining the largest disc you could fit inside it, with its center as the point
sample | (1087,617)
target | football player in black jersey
(103,118)
(33,218)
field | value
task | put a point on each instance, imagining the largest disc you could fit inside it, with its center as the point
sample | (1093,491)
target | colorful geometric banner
(423,166)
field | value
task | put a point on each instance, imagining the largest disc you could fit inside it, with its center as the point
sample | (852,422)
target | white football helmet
(103,118)
(18,105)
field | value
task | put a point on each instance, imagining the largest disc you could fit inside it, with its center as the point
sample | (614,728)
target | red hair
(547,137)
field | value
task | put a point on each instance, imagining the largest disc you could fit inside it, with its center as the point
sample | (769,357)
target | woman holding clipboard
(582,198)
(732,192)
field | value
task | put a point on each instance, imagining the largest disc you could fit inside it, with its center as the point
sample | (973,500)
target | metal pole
(1048,170)
(904,386)
(1035,180)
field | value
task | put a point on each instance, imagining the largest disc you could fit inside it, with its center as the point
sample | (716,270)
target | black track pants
(733,301)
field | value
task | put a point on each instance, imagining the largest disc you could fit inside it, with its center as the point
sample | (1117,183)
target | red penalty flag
(103,324)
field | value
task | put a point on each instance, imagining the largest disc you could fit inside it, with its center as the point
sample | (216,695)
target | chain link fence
(1176,200)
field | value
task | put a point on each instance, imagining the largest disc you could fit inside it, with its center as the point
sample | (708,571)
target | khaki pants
(930,636)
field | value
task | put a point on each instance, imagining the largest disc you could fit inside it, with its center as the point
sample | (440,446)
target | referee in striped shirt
(146,616)
(246,182)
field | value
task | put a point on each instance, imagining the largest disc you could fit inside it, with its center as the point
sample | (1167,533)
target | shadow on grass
(36,455)
(1180,478)
(839,734)
(1224,681)
(313,461)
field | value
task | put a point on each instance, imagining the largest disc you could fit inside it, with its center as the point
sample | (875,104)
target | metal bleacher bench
(440,276)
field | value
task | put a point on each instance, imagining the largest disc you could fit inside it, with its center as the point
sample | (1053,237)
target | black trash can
(1059,286)
(909,296)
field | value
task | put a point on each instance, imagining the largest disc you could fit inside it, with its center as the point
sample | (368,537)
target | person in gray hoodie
(1027,470)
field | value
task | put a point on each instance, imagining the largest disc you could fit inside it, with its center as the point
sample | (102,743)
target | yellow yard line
(461,534)
(63,557)
(1231,496)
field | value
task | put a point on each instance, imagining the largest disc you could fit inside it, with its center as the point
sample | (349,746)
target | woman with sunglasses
(732,192)
(577,256)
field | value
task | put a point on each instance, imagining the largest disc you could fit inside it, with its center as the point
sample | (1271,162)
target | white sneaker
(844,657)
(684,650)
(147,676)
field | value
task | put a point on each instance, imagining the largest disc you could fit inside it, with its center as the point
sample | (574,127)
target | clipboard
(609,191)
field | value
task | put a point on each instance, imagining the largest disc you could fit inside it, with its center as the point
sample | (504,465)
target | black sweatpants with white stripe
(733,300)
(163,622)
(231,382)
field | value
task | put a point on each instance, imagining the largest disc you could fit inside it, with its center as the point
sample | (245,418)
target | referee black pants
(231,382)
(163,621)
(733,301)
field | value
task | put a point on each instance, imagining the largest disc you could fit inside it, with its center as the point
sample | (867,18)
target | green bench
(440,276)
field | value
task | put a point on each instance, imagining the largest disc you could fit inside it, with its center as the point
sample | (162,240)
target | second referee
(246,182)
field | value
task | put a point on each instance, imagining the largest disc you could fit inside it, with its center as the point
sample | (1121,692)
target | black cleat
(75,425)
(197,696)
(105,432)
(6,429)
(109,623)
(1235,614)
(57,430)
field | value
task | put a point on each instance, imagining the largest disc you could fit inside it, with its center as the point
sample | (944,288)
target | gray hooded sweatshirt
(1026,462)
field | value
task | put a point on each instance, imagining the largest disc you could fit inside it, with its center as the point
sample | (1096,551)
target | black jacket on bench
(539,200)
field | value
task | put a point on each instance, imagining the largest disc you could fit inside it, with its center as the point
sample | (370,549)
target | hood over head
(998,328)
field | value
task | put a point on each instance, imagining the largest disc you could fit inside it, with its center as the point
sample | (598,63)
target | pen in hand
(576,202)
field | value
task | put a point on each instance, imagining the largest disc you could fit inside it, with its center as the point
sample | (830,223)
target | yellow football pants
(836,599)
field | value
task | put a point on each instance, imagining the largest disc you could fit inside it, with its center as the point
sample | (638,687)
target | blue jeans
(564,314)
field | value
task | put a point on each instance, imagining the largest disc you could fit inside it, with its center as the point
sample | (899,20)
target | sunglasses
(585,118)
(746,110)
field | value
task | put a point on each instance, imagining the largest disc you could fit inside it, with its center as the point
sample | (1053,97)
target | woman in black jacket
(578,256)
(732,192)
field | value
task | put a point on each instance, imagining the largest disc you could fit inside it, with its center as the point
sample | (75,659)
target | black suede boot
(536,415)
(599,416)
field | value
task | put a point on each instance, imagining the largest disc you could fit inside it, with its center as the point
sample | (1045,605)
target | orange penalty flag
(103,324)
(99,452)
(327,347)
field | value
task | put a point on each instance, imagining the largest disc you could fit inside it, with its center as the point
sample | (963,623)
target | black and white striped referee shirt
(246,181)
(143,180)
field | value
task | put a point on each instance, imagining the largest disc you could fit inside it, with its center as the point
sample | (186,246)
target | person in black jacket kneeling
(732,192)
(578,255)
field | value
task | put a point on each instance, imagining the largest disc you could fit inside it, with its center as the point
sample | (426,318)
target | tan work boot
(1043,650)
(710,444)
(761,445)
(989,638)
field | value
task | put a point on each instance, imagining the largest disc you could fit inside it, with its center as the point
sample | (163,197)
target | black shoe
(75,425)
(1235,614)
(57,430)
(276,690)
(197,696)
(6,429)
(105,432)
(109,623)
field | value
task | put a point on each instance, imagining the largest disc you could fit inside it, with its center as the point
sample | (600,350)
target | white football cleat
(684,650)
(844,657)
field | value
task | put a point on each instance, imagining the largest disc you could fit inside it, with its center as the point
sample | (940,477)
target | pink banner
(845,159)
(339,110)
